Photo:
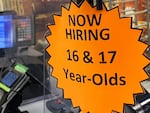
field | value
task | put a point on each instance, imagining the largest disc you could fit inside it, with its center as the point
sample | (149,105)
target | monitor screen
(6,31)
(24,31)
(9,78)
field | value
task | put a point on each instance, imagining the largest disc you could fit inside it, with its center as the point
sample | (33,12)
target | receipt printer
(12,80)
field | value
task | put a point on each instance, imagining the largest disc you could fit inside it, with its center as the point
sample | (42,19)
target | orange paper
(97,58)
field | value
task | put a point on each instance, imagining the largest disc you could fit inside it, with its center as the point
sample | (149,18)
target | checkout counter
(26,85)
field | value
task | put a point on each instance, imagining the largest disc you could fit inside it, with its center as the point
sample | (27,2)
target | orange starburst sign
(97,57)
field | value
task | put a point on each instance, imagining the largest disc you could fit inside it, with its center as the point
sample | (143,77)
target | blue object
(9,78)
(6,31)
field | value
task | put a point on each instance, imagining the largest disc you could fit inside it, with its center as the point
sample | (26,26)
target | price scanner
(12,80)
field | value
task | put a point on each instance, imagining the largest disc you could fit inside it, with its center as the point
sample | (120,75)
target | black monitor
(6,30)
(25,30)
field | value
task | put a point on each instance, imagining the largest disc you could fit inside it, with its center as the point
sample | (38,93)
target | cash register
(14,32)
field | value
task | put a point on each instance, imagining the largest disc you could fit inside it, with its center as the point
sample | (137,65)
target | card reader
(12,80)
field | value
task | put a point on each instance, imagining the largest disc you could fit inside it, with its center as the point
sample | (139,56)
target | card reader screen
(9,78)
